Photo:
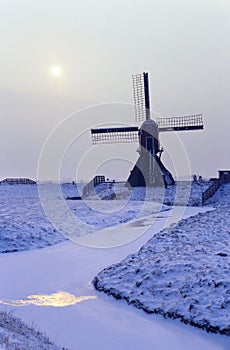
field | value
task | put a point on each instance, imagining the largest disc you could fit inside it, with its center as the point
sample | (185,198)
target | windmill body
(149,136)
(149,169)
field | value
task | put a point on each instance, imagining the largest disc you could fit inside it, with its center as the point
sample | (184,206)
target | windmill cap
(148,123)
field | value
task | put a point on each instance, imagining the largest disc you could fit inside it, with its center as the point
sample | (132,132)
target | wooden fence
(212,189)
(92,184)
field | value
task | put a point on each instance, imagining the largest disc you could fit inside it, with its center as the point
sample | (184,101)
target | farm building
(18,181)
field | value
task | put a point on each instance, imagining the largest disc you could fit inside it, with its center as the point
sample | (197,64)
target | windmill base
(149,171)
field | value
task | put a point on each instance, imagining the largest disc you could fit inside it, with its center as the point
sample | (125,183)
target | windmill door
(149,144)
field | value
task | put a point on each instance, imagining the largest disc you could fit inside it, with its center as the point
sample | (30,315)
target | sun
(56,71)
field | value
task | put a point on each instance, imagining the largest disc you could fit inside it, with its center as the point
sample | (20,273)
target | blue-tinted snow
(24,225)
(16,335)
(182,272)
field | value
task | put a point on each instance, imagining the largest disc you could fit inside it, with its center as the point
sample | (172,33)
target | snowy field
(183,193)
(52,287)
(24,225)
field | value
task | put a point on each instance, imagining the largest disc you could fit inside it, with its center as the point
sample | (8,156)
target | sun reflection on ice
(59,299)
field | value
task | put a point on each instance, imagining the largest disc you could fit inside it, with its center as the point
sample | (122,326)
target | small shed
(225,174)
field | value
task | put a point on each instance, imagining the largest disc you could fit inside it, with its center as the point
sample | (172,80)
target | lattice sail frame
(141,96)
(115,135)
(188,122)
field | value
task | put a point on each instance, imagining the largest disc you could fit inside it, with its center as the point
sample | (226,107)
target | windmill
(149,169)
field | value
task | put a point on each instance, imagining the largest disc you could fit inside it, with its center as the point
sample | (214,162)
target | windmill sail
(189,122)
(141,96)
(115,135)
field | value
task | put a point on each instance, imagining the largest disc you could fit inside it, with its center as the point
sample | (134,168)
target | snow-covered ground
(52,286)
(24,225)
(183,193)
(15,335)
(182,272)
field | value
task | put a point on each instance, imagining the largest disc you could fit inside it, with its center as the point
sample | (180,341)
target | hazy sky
(183,44)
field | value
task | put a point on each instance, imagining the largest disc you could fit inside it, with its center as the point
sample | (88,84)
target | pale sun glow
(56,71)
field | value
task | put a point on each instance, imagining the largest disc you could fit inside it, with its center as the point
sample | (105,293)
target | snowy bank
(182,272)
(16,335)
